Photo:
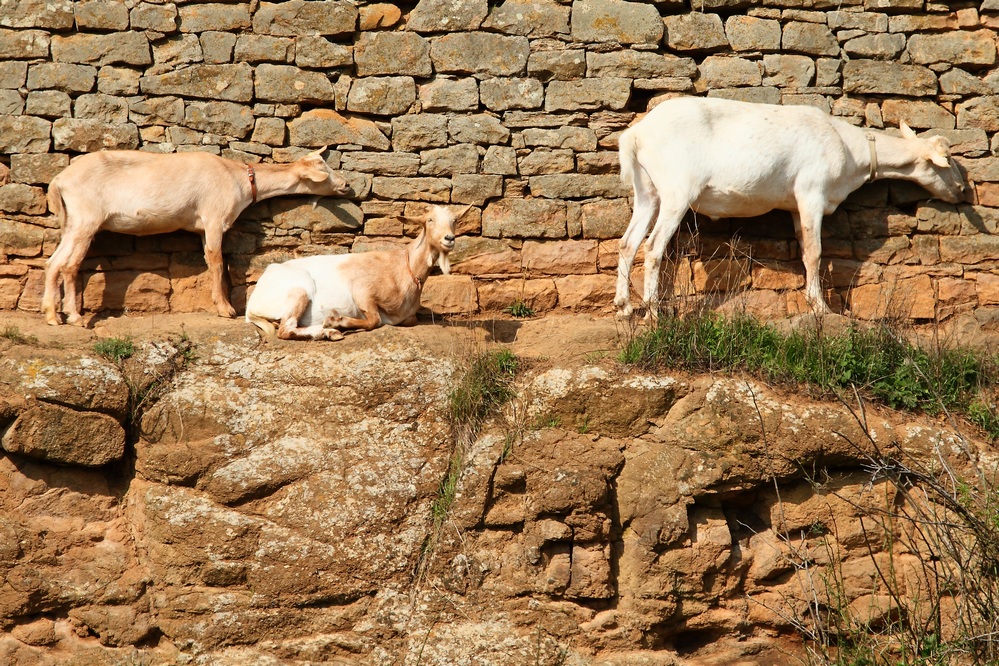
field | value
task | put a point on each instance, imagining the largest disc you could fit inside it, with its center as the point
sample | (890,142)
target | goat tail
(628,154)
(266,327)
(56,204)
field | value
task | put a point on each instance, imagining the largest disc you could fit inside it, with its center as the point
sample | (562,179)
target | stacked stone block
(514,108)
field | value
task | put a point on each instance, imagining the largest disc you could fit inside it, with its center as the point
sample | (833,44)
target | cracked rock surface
(275,502)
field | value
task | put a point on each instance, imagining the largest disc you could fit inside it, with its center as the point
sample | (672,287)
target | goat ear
(906,130)
(461,213)
(320,151)
(940,159)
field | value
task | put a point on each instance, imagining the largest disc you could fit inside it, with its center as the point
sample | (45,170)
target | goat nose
(449,237)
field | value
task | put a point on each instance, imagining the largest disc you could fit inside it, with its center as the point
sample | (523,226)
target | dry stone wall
(512,107)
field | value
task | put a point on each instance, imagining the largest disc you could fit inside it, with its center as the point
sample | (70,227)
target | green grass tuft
(876,361)
(14,334)
(484,387)
(115,349)
(519,309)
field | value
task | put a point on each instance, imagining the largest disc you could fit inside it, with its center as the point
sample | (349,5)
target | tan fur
(142,193)
(384,286)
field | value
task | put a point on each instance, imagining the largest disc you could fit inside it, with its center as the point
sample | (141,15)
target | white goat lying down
(135,192)
(312,297)
(724,158)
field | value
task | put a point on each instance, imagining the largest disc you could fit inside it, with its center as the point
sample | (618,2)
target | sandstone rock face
(540,90)
(277,502)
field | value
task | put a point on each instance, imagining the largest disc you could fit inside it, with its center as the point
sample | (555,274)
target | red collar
(253,182)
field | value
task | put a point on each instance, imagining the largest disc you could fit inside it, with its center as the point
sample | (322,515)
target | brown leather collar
(253,182)
(419,285)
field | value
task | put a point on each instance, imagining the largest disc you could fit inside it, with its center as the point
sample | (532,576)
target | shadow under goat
(140,193)
(314,298)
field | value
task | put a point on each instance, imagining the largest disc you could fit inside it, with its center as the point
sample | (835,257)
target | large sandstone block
(560,257)
(447,15)
(58,434)
(615,21)
(86,136)
(436,190)
(809,38)
(566,186)
(475,255)
(480,128)
(750,33)
(588,94)
(24,134)
(530,18)
(264,48)
(392,53)
(980,112)
(59,76)
(284,83)
(480,53)
(300,17)
(24,199)
(319,52)
(382,95)
(539,294)
(695,31)
(954,48)
(462,158)
(220,17)
(37,169)
(578,139)
(163,110)
(24,44)
(232,83)
(129,48)
(908,297)
(20,239)
(633,64)
(916,113)
(327,216)
(450,294)
(476,189)
(524,218)
(727,72)
(511,93)
(147,16)
(559,65)
(322,127)
(384,164)
(878,47)
(447,94)
(416,132)
(226,118)
(585,291)
(888,78)
(37,14)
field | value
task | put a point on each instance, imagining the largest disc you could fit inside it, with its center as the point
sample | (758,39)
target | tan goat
(313,297)
(140,193)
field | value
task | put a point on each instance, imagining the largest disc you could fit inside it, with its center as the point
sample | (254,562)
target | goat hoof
(74,320)
(227,311)
(625,311)
(332,334)
(53,320)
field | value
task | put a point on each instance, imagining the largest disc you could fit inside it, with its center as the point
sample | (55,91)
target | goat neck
(896,155)
(274,180)
(421,256)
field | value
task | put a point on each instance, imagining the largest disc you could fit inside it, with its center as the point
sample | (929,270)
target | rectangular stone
(569,257)
(567,186)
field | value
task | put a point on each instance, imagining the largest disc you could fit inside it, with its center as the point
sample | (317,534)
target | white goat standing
(725,158)
(312,297)
(140,193)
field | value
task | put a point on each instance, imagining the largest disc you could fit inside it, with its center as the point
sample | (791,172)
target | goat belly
(271,297)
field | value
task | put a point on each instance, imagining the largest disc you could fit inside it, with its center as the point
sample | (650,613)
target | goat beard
(444,263)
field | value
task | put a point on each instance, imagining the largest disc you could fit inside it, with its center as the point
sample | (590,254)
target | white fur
(312,297)
(724,158)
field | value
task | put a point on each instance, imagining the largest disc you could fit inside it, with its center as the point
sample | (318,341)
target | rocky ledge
(217,500)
